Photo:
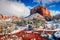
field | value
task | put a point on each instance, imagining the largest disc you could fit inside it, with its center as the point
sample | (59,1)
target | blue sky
(14,7)
(51,6)
(54,6)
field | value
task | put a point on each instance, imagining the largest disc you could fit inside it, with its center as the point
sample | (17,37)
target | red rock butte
(14,17)
(4,17)
(41,10)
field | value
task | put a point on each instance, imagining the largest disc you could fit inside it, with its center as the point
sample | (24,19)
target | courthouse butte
(41,10)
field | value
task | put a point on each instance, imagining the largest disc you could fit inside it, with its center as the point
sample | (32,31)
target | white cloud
(53,12)
(52,6)
(30,7)
(46,1)
(13,8)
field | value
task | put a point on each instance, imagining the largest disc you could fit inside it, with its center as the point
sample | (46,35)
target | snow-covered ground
(56,25)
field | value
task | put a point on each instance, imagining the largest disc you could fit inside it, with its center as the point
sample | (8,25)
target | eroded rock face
(41,10)
(3,17)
